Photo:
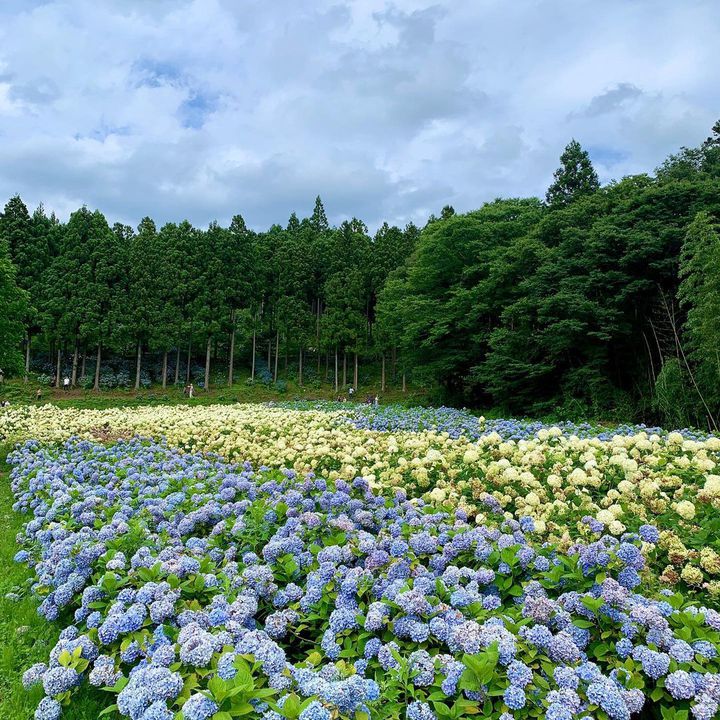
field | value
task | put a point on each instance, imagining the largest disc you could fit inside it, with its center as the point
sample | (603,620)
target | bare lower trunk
(277,351)
(327,366)
(252,367)
(177,365)
(344,382)
(404,386)
(138,365)
(232,351)
(336,370)
(317,336)
(84,357)
(382,374)
(27,357)
(269,354)
(355,375)
(207,365)
(57,370)
(73,378)
(98,359)
(300,368)
(164,381)
(187,379)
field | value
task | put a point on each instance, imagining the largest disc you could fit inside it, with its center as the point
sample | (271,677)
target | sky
(203,109)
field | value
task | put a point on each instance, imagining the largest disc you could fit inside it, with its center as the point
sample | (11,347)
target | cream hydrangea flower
(685,509)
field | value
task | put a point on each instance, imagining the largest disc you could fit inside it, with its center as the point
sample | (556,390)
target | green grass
(25,637)
(18,392)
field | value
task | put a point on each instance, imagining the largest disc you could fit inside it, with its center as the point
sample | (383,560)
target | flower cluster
(574,480)
(185,583)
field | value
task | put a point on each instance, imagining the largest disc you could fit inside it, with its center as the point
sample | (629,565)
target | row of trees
(596,298)
(84,286)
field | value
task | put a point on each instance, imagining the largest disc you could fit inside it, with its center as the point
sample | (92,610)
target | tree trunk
(164,382)
(27,357)
(269,354)
(252,367)
(57,370)
(232,351)
(82,367)
(96,385)
(344,382)
(317,336)
(404,386)
(327,365)
(382,374)
(336,370)
(177,365)
(300,368)
(138,365)
(207,364)
(187,379)
(277,352)
(73,379)
(355,376)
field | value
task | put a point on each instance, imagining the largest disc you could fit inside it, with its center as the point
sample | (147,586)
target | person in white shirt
(66,383)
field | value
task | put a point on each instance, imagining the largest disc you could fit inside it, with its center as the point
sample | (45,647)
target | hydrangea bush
(188,587)
(572,480)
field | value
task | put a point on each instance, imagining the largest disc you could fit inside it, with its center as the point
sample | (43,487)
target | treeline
(305,291)
(597,300)
(593,301)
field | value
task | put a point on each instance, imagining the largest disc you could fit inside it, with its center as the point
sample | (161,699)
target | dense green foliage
(572,306)
(598,299)
(176,289)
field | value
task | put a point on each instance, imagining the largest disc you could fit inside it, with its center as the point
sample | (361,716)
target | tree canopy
(597,300)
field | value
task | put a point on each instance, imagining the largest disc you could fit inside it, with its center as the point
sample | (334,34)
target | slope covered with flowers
(572,480)
(187,584)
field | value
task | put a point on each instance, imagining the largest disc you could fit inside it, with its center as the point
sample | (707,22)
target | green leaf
(291,708)
(244,708)
(65,658)
(217,688)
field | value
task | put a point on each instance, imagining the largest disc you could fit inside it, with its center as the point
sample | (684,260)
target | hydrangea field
(327,562)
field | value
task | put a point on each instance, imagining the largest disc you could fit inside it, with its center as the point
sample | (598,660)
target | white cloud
(388,110)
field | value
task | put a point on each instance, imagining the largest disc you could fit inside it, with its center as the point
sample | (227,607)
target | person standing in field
(66,383)
(191,390)
(38,395)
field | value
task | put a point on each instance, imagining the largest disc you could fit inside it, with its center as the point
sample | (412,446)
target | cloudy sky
(388,110)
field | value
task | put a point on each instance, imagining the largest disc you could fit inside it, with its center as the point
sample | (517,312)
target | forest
(596,301)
